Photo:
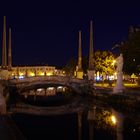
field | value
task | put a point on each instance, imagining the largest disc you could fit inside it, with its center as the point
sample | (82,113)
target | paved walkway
(8,130)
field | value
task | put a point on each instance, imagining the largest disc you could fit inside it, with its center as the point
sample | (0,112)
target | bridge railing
(61,79)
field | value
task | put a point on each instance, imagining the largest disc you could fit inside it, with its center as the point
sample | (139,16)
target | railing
(61,79)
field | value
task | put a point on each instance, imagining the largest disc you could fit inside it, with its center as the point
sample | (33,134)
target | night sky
(52,37)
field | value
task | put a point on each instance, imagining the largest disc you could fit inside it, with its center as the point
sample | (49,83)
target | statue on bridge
(119,87)
(119,63)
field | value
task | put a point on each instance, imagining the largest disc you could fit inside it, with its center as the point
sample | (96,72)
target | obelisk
(9,52)
(4,54)
(79,70)
(90,71)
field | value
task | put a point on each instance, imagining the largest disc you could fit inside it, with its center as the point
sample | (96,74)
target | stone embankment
(128,101)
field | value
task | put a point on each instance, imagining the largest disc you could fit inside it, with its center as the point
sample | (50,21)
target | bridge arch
(76,85)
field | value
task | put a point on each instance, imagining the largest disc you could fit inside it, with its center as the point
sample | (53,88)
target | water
(50,128)
(65,127)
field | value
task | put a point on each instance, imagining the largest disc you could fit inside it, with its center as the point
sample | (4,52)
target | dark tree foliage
(131,52)
(70,67)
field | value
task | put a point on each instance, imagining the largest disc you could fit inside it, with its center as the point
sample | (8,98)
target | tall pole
(4,54)
(79,71)
(80,52)
(10,52)
(91,60)
(91,70)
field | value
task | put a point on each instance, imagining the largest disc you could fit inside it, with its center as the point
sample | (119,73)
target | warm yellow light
(113,63)
(115,73)
(32,74)
(21,74)
(41,74)
(49,74)
(113,119)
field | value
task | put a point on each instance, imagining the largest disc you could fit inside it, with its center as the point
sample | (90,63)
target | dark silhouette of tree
(70,67)
(131,52)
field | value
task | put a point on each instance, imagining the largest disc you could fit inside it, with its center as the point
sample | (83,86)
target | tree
(131,52)
(104,62)
(70,67)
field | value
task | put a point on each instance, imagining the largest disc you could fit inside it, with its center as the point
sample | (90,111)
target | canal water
(66,127)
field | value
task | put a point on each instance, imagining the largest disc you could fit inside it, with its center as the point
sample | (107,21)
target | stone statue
(119,63)
(119,87)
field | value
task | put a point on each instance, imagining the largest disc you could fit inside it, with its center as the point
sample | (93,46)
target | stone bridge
(78,85)
(12,88)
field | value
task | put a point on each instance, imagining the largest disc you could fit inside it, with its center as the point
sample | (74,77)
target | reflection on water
(93,123)
(49,96)
(107,124)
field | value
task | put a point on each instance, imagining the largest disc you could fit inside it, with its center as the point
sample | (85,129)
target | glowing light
(39,90)
(21,74)
(113,63)
(13,74)
(113,119)
(49,74)
(32,74)
(97,78)
(21,77)
(41,73)
(111,77)
(60,87)
(50,88)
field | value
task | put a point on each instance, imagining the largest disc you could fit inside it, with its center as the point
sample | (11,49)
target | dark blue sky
(52,37)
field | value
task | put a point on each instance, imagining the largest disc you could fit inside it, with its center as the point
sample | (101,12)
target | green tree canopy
(104,62)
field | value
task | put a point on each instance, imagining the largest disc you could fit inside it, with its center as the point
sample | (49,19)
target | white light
(60,87)
(113,119)
(50,88)
(39,90)
(21,77)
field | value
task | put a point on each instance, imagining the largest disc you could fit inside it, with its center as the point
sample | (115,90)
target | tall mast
(80,52)
(91,55)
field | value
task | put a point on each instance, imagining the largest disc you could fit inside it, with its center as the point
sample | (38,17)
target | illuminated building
(7,71)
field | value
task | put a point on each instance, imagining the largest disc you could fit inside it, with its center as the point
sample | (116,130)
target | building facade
(8,71)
